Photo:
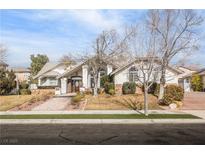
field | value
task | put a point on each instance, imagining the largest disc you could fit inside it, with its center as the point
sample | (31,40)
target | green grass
(100,116)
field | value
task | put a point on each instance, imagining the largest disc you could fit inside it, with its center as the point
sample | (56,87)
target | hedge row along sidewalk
(99,116)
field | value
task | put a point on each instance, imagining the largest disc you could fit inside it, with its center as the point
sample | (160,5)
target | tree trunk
(162,83)
(145,101)
(95,89)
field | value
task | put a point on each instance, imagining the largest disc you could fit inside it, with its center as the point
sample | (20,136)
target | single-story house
(76,77)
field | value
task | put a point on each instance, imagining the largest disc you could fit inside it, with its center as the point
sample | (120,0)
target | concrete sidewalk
(102,121)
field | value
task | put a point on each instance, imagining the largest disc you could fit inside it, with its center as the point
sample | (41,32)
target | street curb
(102,121)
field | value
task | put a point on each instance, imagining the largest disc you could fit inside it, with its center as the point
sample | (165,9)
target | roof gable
(49,66)
(156,60)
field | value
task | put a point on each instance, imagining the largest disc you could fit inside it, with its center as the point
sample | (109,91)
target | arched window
(133,74)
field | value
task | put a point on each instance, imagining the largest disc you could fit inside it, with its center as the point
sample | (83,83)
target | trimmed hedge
(109,88)
(173,93)
(129,88)
(152,89)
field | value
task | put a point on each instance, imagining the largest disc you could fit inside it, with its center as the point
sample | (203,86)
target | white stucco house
(79,77)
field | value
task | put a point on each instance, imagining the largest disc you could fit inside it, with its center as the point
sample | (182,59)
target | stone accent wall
(118,88)
(138,90)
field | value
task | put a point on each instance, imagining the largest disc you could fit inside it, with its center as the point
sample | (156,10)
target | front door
(76,83)
(75,86)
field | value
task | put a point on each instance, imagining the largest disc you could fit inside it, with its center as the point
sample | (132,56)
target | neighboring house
(77,77)
(186,79)
(3,65)
(47,76)
(22,74)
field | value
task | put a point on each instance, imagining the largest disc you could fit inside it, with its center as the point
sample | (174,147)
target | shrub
(25,92)
(104,79)
(129,88)
(23,85)
(111,91)
(196,83)
(77,98)
(152,88)
(173,93)
(156,92)
(108,86)
(7,81)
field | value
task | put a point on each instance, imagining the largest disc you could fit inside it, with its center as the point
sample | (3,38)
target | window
(133,74)
(53,81)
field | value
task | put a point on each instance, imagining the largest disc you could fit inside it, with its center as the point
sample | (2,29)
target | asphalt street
(107,134)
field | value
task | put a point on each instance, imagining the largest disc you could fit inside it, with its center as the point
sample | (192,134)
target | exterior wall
(123,76)
(171,78)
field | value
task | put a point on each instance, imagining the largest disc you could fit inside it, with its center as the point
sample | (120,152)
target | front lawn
(122,102)
(11,101)
(100,116)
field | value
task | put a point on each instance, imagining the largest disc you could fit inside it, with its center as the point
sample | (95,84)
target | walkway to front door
(54,104)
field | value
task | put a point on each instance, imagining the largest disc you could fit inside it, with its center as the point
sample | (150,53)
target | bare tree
(68,60)
(176,33)
(146,64)
(3,53)
(107,45)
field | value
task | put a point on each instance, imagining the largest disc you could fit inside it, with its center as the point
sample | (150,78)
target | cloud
(96,18)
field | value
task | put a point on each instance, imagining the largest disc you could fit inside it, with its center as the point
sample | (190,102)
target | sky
(63,32)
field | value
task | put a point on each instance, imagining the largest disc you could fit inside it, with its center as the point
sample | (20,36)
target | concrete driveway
(54,104)
(194,101)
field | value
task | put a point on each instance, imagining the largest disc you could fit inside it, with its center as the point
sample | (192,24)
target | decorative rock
(172,106)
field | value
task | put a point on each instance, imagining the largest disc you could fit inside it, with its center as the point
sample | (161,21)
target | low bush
(173,93)
(24,85)
(111,91)
(129,88)
(196,83)
(104,79)
(156,92)
(77,98)
(109,87)
(152,89)
(25,92)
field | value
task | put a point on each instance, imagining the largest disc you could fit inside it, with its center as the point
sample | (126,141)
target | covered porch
(79,79)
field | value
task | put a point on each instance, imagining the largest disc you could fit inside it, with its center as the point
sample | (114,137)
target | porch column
(109,69)
(39,81)
(63,85)
(89,80)
(85,76)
